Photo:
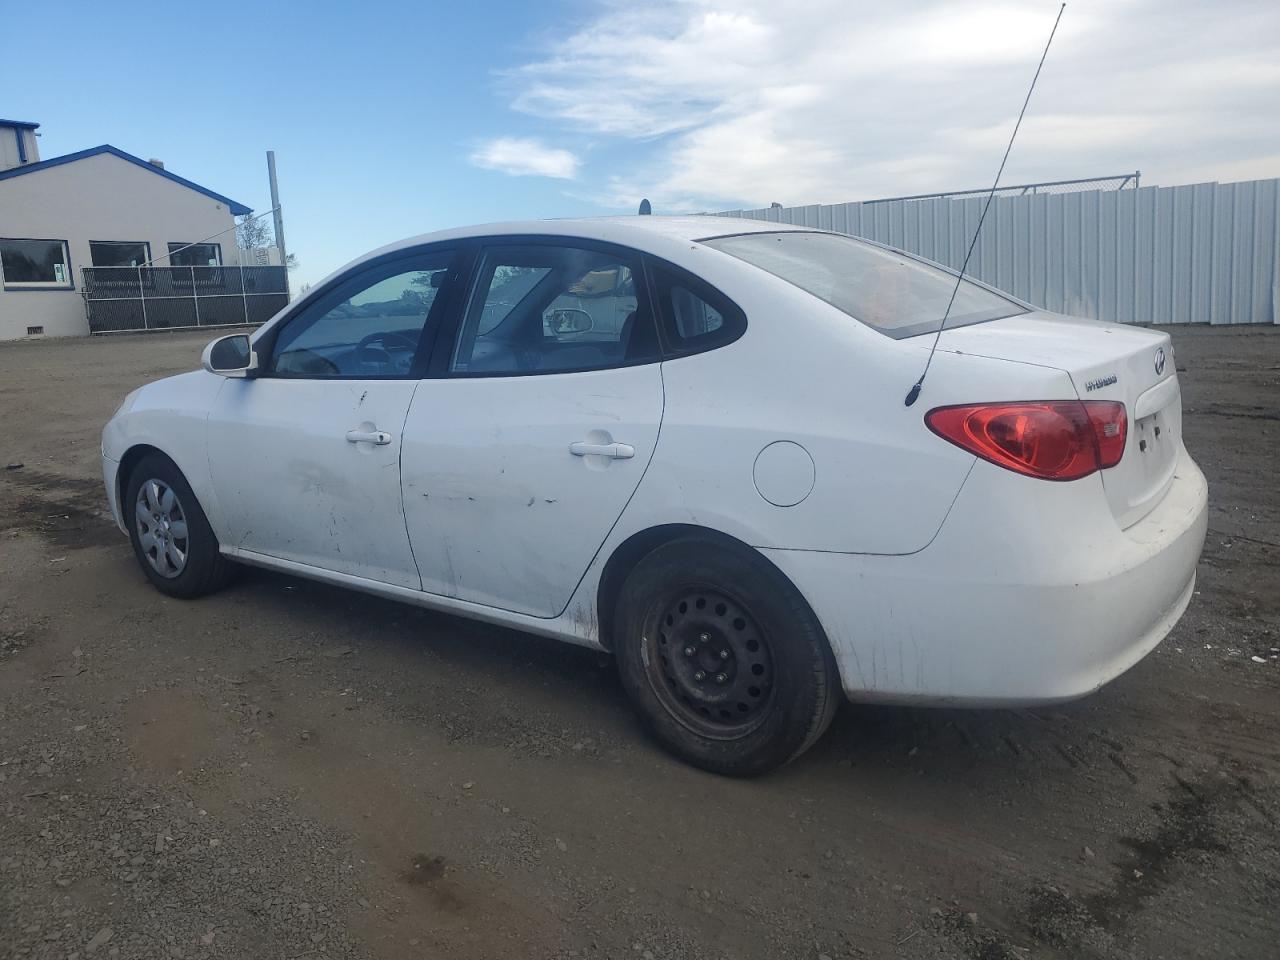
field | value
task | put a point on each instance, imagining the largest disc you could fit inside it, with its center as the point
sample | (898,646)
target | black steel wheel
(722,657)
(708,661)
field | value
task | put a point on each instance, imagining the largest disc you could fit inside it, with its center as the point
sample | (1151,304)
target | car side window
(371,325)
(554,309)
(695,315)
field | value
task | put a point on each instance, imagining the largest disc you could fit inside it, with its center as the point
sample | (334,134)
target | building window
(118,253)
(195,254)
(35,264)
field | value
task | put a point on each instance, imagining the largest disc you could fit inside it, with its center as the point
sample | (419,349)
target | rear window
(889,291)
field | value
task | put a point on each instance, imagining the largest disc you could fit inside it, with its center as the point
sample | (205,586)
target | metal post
(142,298)
(195,294)
(278,219)
(244,296)
(84,292)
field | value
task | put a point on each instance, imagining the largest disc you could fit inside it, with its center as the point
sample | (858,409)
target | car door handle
(614,451)
(379,437)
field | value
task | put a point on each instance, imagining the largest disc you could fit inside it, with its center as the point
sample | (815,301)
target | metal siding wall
(1220,283)
(1108,254)
(1266,249)
(1202,253)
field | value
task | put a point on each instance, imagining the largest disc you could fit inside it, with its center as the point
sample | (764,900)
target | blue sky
(395,118)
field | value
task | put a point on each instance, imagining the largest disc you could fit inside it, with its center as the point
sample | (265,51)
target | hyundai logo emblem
(1160,362)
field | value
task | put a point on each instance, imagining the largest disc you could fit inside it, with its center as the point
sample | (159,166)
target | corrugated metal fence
(1203,253)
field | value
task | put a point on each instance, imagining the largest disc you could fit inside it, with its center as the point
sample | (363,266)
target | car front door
(543,410)
(305,457)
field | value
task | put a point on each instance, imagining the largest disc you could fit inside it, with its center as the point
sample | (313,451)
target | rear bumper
(1030,593)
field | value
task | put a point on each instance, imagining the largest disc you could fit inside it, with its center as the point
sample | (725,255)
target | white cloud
(524,156)
(743,102)
(643,72)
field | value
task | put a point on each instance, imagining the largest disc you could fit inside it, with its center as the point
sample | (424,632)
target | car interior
(373,333)
(533,309)
(579,313)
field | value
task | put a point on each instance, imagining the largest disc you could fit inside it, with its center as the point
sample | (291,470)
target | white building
(100,207)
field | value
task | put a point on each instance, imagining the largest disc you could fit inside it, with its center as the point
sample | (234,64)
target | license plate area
(1151,433)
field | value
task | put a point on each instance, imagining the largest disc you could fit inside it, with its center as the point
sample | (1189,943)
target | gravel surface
(287,770)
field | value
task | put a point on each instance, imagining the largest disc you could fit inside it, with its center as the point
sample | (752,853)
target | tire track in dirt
(67,512)
(1198,823)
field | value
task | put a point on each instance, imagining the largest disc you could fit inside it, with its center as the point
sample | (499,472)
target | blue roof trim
(237,209)
(24,124)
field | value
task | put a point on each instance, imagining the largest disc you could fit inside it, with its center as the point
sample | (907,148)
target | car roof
(663,236)
(697,227)
(628,231)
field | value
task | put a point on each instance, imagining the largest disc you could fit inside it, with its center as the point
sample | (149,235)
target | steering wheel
(365,352)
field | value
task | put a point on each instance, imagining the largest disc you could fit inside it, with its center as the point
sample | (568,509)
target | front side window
(888,291)
(549,309)
(35,264)
(370,326)
(118,253)
(195,254)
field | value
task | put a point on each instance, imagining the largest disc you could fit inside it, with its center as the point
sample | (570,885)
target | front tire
(171,536)
(722,657)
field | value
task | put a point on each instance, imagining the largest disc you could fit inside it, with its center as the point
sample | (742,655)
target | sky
(392,118)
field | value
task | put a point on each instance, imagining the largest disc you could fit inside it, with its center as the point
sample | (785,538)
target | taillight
(1048,439)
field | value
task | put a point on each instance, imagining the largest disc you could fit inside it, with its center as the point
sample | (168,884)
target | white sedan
(684,441)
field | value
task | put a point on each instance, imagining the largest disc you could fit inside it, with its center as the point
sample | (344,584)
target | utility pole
(275,212)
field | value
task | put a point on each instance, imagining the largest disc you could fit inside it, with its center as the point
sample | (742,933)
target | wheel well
(127,463)
(631,551)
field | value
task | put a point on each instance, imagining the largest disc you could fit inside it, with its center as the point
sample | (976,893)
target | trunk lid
(1105,361)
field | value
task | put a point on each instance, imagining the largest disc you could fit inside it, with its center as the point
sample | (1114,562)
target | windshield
(889,291)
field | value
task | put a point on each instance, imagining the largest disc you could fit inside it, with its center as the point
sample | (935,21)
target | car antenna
(914,393)
(646,208)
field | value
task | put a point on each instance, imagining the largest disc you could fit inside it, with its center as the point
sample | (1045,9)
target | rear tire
(722,657)
(171,536)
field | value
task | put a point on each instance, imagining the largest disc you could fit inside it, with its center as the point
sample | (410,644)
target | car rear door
(305,457)
(523,448)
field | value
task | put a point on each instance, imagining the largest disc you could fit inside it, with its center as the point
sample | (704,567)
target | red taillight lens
(1049,439)
(1110,426)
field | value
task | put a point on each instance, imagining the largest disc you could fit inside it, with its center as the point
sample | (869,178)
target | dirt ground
(287,770)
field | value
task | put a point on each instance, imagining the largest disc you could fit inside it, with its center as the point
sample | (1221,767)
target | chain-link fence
(160,298)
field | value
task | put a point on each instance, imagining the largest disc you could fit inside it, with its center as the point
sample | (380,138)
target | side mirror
(569,320)
(230,356)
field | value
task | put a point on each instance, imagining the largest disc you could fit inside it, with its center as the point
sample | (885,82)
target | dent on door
(308,471)
(512,484)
